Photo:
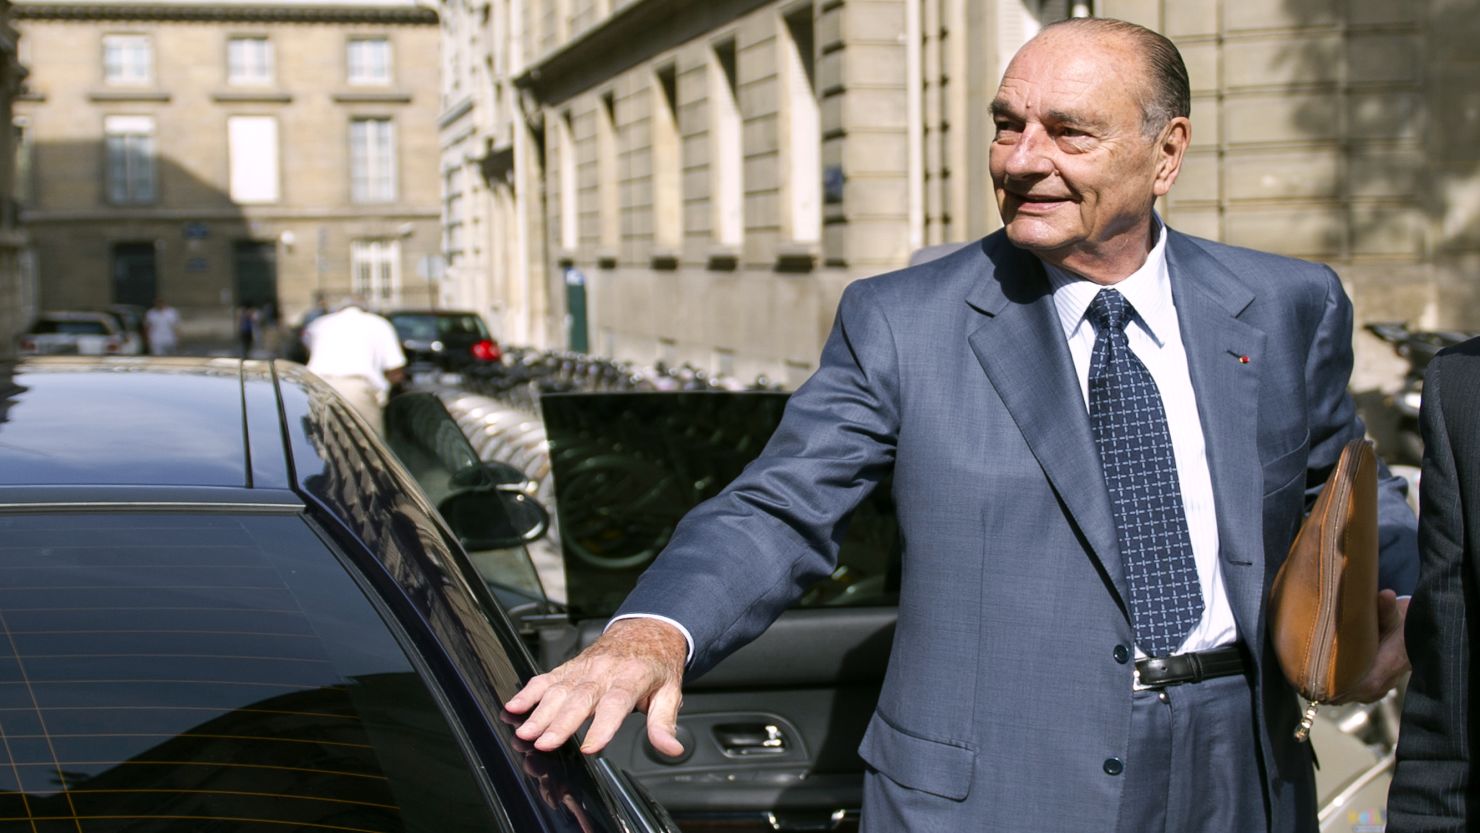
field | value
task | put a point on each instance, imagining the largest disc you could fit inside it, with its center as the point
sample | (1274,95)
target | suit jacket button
(1114,766)
(1122,654)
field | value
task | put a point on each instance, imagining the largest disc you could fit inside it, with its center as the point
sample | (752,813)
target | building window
(253,151)
(667,161)
(369,61)
(565,136)
(25,192)
(128,59)
(129,143)
(375,267)
(372,158)
(249,61)
(726,155)
(801,141)
(1018,21)
(606,172)
(453,221)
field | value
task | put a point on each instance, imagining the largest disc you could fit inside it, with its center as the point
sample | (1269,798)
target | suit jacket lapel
(1224,356)
(1021,346)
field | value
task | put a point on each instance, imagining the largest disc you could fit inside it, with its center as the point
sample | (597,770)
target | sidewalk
(223,347)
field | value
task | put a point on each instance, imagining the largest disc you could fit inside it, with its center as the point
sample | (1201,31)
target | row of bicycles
(528,373)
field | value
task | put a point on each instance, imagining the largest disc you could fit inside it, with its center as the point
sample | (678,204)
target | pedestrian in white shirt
(358,354)
(160,323)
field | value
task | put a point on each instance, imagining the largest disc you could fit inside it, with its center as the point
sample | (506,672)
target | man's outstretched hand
(637,664)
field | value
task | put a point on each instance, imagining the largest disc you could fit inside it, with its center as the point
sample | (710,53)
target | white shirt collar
(1148,290)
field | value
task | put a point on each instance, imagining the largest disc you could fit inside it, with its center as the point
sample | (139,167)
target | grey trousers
(363,396)
(1193,764)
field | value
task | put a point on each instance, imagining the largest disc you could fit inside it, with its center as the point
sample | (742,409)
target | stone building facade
(491,169)
(698,181)
(1346,132)
(231,154)
(17,285)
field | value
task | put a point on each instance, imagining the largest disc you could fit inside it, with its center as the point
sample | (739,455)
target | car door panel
(773,727)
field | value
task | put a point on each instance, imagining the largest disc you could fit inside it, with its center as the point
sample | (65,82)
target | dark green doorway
(577,337)
(135,278)
(255,265)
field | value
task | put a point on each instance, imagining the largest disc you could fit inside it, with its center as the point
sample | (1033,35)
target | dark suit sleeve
(1334,422)
(1432,789)
(738,560)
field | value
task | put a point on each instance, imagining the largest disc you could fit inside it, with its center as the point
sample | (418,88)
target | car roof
(75,315)
(159,433)
(188,424)
(436,312)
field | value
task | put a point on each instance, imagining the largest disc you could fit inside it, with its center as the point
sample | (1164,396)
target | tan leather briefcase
(1323,605)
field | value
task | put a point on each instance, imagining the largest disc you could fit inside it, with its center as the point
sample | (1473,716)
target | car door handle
(744,740)
(792,823)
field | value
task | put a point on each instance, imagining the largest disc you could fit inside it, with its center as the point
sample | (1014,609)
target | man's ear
(1171,145)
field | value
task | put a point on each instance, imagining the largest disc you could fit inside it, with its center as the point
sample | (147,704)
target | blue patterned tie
(1130,429)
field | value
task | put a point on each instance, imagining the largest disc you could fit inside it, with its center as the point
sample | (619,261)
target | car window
(461,325)
(63,326)
(415,327)
(437,454)
(218,671)
(628,466)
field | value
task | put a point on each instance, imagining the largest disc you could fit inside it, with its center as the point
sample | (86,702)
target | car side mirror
(502,517)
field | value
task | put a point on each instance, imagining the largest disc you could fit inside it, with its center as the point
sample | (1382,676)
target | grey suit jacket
(1003,697)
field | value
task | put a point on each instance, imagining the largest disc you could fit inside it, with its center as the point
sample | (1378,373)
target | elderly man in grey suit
(1103,435)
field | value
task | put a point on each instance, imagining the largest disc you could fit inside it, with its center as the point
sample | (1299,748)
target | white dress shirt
(354,343)
(1156,340)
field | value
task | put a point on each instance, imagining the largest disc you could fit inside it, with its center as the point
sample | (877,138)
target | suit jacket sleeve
(1432,789)
(738,560)
(1334,422)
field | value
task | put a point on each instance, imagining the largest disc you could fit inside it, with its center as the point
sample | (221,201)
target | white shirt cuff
(681,629)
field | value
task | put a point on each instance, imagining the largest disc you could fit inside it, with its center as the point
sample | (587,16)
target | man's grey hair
(1167,93)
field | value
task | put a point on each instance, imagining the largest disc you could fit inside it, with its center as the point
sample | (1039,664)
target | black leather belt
(1158,672)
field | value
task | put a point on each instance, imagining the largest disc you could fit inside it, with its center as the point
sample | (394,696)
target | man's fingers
(538,720)
(610,713)
(662,720)
(575,708)
(1392,656)
(1391,613)
(530,695)
(1387,612)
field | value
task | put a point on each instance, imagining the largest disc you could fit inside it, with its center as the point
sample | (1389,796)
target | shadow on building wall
(1393,90)
(1390,104)
(189,243)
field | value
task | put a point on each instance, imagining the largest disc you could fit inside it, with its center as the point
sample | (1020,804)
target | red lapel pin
(1243,359)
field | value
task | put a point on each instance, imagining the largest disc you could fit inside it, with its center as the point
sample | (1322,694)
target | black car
(227,606)
(450,341)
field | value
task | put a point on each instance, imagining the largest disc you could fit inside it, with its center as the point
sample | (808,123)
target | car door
(771,734)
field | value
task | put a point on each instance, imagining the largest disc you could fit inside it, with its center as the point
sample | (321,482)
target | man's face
(1074,173)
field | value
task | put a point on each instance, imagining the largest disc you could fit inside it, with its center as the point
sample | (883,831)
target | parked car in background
(445,341)
(130,320)
(79,332)
(229,607)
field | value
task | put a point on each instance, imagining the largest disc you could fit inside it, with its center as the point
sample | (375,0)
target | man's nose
(1029,156)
